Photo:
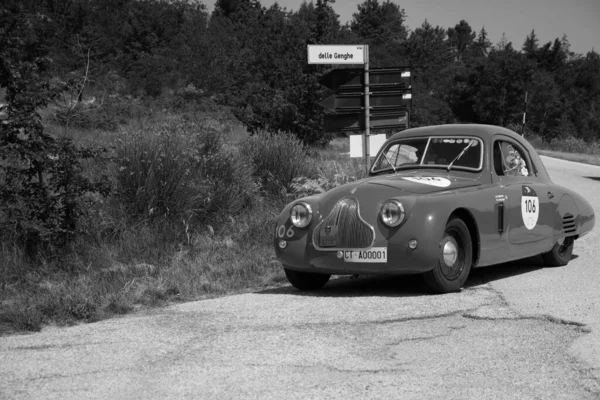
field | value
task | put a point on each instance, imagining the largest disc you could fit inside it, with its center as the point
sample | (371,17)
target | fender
(562,228)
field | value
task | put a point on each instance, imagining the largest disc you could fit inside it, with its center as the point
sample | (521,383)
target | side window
(509,160)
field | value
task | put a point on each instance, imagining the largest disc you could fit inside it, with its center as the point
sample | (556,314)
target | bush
(181,169)
(278,159)
(567,144)
(105,114)
(331,173)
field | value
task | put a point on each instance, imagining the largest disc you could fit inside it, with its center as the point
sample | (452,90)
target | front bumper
(301,255)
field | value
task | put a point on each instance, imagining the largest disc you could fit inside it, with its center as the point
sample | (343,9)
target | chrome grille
(344,228)
(568,224)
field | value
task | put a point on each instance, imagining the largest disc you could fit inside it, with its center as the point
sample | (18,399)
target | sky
(578,19)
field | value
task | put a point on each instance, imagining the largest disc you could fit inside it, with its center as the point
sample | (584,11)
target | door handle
(550,194)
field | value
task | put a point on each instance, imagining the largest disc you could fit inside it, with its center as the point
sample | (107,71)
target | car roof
(483,131)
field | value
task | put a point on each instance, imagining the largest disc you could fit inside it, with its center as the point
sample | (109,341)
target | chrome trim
(450,253)
(425,151)
(397,202)
(317,247)
(310,214)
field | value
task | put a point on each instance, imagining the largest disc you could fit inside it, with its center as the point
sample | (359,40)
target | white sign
(375,143)
(430,180)
(530,210)
(336,54)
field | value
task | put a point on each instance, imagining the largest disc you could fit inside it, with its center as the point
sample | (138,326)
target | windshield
(431,151)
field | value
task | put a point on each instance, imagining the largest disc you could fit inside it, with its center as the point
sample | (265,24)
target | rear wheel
(560,254)
(306,280)
(455,258)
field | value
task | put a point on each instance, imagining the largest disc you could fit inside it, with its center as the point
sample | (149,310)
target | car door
(529,208)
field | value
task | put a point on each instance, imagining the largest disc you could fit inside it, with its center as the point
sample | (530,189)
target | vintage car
(438,201)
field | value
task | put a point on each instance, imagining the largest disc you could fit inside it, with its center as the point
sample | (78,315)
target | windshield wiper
(460,154)
(389,162)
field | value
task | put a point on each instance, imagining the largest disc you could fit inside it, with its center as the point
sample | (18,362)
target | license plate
(328,236)
(328,241)
(373,255)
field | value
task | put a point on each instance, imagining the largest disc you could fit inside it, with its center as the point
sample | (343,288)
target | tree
(429,52)
(495,87)
(381,26)
(379,23)
(503,44)
(482,45)
(328,23)
(544,108)
(461,38)
(530,46)
(41,182)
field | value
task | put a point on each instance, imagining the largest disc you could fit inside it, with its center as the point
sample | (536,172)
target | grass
(577,157)
(570,148)
(143,266)
(129,259)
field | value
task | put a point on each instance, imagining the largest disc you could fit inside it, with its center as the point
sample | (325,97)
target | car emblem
(328,229)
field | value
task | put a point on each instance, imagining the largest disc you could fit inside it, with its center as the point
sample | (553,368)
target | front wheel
(455,258)
(560,254)
(306,280)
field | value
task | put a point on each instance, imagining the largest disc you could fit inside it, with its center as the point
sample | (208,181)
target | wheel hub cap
(450,254)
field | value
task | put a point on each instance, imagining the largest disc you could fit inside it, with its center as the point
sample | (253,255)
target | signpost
(383,96)
(350,122)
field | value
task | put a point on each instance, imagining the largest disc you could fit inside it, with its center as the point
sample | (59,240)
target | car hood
(423,182)
(406,184)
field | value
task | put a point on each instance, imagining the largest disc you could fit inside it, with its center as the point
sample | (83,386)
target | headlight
(392,213)
(300,215)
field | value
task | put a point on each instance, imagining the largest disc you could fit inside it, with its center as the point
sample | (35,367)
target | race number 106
(281,232)
(529,206)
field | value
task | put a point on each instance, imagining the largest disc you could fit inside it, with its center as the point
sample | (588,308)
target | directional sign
(379,100)
(388,92)
(336,54)
(354,122)
(353,79)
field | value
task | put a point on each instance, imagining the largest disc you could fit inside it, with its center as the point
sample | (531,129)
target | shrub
(331,174)
(106,113)
(278,159)
(568,144)
(181,169)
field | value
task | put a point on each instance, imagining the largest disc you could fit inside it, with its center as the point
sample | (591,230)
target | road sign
(352,122)
(336,54)
(379,101)
(389,94)
(380,78)
(385,91)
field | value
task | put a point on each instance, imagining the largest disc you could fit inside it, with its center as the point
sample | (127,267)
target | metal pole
(366,90)
(524,113)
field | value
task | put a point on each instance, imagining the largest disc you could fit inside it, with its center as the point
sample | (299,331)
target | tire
(445,278)
(306,280)
(560,254)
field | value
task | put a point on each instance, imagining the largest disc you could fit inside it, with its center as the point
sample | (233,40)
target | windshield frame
(421,165)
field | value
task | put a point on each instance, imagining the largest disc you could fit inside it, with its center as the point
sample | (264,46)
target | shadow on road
(482,276)
(409,285)
(363,286)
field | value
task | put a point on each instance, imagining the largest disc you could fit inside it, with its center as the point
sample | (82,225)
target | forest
(123,179)
(253,59)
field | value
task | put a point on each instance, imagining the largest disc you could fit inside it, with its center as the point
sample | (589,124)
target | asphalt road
(517,331)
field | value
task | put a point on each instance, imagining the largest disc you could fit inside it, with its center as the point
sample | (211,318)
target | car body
(438,201)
